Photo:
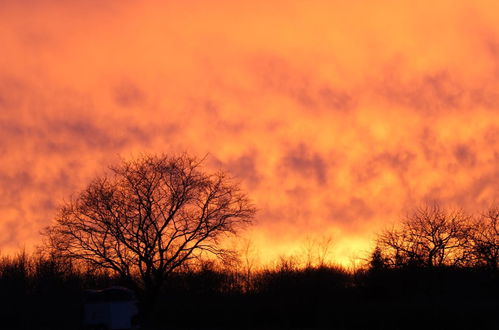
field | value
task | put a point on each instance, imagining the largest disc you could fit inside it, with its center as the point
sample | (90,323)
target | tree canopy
(433,236)
(149,216)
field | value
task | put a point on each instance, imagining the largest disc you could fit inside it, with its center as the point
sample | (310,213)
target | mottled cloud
(300,161)
(336,117)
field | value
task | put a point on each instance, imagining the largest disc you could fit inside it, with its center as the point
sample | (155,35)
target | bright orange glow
(335,115)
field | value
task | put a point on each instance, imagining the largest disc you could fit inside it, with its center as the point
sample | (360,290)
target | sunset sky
(336,116)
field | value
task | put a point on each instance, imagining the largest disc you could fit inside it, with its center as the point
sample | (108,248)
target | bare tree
(148,217)
(317,250)
(485,239)
(430,236)
(247,263)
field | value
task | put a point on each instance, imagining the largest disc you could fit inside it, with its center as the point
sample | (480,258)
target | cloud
(428,93)
(275,75)
(11,91)
(302,162)
(243,168)
(352,213)
(334,119)
(465,155)
(127,95)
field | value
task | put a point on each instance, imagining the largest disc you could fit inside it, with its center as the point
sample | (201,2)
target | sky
(337,117)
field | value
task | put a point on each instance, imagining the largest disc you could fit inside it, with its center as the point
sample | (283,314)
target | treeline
(435,270)
(43,293)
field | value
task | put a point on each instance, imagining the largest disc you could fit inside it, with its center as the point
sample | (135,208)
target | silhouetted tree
(485,239)
(377,261)
(148,217)
(247,264)
(317,250)
(430,236)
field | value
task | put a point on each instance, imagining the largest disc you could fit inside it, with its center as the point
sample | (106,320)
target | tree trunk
(148,304)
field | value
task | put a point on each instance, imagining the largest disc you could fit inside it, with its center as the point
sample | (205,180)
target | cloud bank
(335,116)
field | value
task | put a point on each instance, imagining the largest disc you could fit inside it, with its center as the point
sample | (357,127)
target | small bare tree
(430,236)
(148,217)
(248,260)
(317,250)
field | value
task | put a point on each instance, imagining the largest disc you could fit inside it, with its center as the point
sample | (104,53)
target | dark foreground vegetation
(44,293)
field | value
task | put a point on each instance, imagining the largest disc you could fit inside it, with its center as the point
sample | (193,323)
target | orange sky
(337,116)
